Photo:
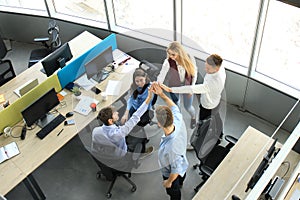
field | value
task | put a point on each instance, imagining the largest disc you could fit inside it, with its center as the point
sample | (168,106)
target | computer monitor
(38,111)
(95,68)
(57,59)
(262,167)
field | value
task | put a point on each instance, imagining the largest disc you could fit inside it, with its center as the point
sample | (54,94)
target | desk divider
(11,115)
(75,68)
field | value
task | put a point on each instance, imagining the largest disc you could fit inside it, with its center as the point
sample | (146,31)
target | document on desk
(83,106)
(113,87)
(8,151)
(85,83)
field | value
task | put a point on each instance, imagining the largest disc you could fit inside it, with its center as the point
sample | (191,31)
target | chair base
(125,176)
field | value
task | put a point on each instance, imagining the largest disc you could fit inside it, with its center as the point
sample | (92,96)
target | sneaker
(148,152)
(193,123)
(189,147)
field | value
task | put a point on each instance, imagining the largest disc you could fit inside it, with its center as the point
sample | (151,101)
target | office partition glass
(142,14)
(226,28)
(280,47)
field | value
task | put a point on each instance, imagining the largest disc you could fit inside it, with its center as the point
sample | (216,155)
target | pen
(124,61)
(59,132)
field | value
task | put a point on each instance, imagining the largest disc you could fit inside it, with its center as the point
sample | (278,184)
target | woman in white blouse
(179,70)
(210,89)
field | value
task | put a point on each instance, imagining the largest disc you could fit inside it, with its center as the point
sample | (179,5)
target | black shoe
(193,123)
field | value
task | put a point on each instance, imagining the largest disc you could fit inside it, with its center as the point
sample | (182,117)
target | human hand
(157,89)
(165,88)
(167,184)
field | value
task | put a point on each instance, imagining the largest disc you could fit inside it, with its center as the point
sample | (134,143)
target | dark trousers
(174,191)
(205,113)
(137,135)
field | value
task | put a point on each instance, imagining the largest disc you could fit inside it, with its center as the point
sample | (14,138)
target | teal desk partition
(76,68)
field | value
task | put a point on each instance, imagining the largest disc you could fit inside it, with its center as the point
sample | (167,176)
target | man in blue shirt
(172,148)
(108,141)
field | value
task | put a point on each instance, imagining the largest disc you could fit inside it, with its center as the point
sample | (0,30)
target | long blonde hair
(183,58)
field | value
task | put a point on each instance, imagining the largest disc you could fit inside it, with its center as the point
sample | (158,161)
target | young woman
(139,88)
(179,70)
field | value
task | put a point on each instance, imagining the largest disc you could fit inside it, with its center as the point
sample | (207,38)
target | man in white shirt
(210,89)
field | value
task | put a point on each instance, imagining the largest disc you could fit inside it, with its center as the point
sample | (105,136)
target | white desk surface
(231,176)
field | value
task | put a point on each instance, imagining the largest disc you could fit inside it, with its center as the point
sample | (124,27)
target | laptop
(26,87)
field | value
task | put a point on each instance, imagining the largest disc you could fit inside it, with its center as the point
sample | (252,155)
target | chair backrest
(6,72)
(206,136)
(3,49)
(53,31)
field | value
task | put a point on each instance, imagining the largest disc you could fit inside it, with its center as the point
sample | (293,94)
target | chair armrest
(231,139)
(44,39)
(206,170)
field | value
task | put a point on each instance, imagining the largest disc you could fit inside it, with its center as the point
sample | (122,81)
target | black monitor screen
(57,59)
(39,109)
(98,63)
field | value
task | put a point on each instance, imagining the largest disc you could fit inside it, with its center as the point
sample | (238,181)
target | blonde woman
(179,70)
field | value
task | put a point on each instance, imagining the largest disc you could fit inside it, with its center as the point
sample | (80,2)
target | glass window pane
(226,28)
(280,48)
(32,4)
(142,14)
(87,9)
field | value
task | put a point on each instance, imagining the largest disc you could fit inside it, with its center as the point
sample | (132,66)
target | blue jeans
(187,102)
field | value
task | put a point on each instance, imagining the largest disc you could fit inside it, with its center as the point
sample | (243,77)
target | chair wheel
(133,189)
(98,175)
(108,195)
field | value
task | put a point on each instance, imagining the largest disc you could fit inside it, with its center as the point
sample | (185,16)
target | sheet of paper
(85,83)
(295,195)
(83,106)
(128,67)
(113,87)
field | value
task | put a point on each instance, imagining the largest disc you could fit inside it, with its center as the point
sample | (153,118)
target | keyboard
(50,126)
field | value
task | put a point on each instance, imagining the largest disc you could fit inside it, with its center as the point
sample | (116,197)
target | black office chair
(206,143)
(6,69)
(111,168)
(55,42)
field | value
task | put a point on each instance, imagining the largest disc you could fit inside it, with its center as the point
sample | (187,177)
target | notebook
(26,87)
(83,106)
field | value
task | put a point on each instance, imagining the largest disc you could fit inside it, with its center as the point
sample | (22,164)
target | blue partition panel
(75,68)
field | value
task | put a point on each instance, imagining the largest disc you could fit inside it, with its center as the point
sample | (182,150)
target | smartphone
(96,90)
(69,122)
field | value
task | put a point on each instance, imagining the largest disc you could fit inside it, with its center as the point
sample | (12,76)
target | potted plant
(76,91)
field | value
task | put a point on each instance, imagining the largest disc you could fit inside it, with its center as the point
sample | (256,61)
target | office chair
(6,69)
(111,168)
(206,143)
(55,42)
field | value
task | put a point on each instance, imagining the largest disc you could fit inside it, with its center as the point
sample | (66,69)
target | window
(36,7)
(85,9)
(227,29)
(280,48)
(140,14)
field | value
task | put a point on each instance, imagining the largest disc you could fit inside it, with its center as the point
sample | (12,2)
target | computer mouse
(69,114)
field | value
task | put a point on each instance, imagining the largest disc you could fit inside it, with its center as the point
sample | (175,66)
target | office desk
(231,176)
(78,45)
(33,151)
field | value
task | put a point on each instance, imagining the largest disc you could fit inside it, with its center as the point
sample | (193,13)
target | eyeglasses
(171,54)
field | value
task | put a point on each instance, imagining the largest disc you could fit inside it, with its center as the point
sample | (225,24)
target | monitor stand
(102,75)
(46,120)
(43,70)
